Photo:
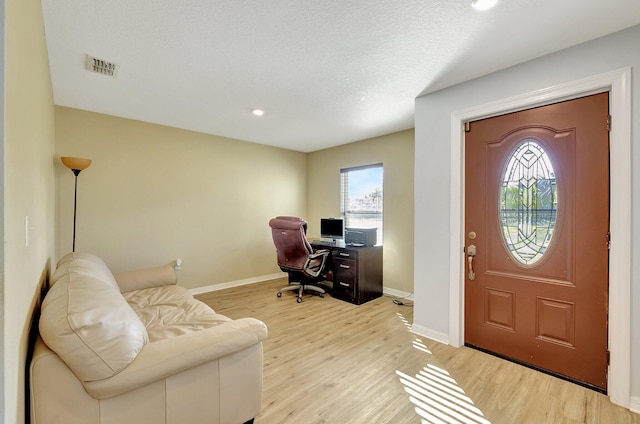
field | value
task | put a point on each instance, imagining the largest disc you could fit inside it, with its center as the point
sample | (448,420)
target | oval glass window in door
(528,202)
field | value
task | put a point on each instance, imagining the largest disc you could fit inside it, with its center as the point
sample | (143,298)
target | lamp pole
(75,165)
(75,202)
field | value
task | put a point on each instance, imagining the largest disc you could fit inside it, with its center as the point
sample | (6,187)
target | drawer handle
(346,255)
(344,266)
(344,284)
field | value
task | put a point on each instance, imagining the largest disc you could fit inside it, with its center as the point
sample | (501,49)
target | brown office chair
(296,256)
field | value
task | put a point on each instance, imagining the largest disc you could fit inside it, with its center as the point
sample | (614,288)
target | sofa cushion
(171,311)
(87,322)
(140,299)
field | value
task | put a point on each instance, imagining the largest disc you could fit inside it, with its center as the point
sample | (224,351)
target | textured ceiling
(326,72)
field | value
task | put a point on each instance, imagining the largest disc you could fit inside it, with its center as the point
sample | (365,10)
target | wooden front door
(536,237)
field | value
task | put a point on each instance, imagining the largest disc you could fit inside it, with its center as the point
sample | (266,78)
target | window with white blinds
(361,200)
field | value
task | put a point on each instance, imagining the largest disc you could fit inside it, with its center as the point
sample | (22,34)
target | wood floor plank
(330,362)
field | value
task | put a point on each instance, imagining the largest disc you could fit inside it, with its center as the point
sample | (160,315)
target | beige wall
(29,189)
(155,193)
(396,153)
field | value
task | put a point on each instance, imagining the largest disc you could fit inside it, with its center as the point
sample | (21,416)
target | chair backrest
(289,237)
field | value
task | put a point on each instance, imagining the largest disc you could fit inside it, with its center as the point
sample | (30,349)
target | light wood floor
(328,361)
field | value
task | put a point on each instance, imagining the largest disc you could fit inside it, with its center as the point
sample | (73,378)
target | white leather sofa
(137,348)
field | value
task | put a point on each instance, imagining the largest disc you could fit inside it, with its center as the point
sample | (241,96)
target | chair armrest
(320,252)
(167,357)
(145,278)
(315,262)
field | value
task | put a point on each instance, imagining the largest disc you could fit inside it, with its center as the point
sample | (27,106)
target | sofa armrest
(171,356)
(145,278)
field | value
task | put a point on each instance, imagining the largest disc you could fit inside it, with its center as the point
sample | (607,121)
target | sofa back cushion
(87,322)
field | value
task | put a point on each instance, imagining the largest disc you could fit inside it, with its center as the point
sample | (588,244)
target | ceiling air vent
(103,67)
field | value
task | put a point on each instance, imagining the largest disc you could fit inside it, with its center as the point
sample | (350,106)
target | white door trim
(618,84)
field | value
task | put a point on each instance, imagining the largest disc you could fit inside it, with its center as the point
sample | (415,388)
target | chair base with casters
(301,287)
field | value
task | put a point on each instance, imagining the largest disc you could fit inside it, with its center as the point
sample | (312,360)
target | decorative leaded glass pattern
(528,202)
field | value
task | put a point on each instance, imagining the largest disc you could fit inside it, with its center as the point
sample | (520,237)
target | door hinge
(608,357)
(608,122)
(609,241)
(467,126)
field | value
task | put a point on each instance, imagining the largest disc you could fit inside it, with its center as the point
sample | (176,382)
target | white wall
(433,137)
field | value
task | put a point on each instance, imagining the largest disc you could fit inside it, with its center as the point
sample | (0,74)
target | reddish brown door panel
(537,210)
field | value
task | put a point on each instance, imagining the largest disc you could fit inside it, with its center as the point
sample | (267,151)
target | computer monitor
(332,228)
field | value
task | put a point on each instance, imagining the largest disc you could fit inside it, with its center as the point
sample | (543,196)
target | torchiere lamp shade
(75,164)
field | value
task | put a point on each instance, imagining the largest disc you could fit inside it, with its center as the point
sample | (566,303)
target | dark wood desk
(356,272)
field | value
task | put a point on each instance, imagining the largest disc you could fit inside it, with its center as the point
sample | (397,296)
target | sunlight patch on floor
(418,344)
(436,395)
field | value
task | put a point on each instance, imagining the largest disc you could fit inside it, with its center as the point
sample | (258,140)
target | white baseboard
(237,283)
(634,404)
(397,293)
(429,333)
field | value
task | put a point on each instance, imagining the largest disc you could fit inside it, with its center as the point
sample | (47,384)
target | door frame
(618,84)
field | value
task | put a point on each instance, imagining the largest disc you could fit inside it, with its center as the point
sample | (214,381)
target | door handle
(471,253)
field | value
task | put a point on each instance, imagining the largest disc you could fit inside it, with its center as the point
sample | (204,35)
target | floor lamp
(75,165)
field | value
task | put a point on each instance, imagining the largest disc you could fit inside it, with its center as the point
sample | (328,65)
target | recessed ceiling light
(257,112)
(483,4)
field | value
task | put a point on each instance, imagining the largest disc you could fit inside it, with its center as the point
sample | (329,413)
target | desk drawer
(345,254)
(344,277)
(356,272)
